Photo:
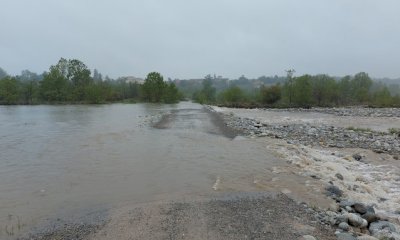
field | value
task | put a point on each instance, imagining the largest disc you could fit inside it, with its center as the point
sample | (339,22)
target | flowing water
(59,160)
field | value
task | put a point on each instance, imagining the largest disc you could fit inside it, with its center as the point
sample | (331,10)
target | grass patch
(395,131)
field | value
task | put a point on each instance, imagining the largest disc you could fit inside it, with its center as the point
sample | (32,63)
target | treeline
(220,83)
(70,81)
(303,91)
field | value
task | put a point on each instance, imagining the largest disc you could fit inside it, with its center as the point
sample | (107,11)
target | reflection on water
(60,160)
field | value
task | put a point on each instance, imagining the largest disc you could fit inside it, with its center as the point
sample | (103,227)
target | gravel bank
(319,135)
(69,228)
(238,216)
(348,111)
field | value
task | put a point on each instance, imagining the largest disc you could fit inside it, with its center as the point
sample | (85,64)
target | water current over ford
(63,161)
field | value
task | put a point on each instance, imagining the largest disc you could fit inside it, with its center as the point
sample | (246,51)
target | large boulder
(370,217)
(380,225)
(357,221)
(360,208)
(384,229)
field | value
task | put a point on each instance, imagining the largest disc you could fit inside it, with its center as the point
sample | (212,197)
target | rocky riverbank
(345,159)
(320,135)
(347,111)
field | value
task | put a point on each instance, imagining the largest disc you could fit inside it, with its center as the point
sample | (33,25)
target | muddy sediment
(217,121)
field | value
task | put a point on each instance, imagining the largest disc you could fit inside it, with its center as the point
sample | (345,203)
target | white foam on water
(216,184)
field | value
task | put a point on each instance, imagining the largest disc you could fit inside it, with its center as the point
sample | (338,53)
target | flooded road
(66,161)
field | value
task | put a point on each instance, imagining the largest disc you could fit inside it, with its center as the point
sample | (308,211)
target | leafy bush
(270,95)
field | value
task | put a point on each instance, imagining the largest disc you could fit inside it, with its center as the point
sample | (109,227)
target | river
(68,161)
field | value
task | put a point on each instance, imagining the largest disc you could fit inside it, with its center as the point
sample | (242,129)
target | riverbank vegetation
(71,82)
(304,91)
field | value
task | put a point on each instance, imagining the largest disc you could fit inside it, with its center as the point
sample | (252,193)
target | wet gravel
(234,216)
(348,111)
(68,231)
(69,227)
(319,135)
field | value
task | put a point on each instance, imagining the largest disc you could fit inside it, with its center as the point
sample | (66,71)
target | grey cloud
(190,38)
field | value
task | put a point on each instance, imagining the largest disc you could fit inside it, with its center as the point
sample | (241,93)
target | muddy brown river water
(67,161)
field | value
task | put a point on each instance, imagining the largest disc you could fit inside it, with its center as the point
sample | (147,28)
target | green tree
(233,94)
(361,84)
(9,90)
(302,91)
(30,92)
(172,94)
(68,80)
(324,90)
(54,86)
(270,95)
(345,91)
(29,86)
(208,93)
(94,93)
(383,98)
(79,75)
(153,87)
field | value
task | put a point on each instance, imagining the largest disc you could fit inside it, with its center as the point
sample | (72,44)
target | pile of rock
(321,135)
(356,220)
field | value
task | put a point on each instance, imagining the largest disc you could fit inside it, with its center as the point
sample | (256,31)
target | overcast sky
(191,38)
